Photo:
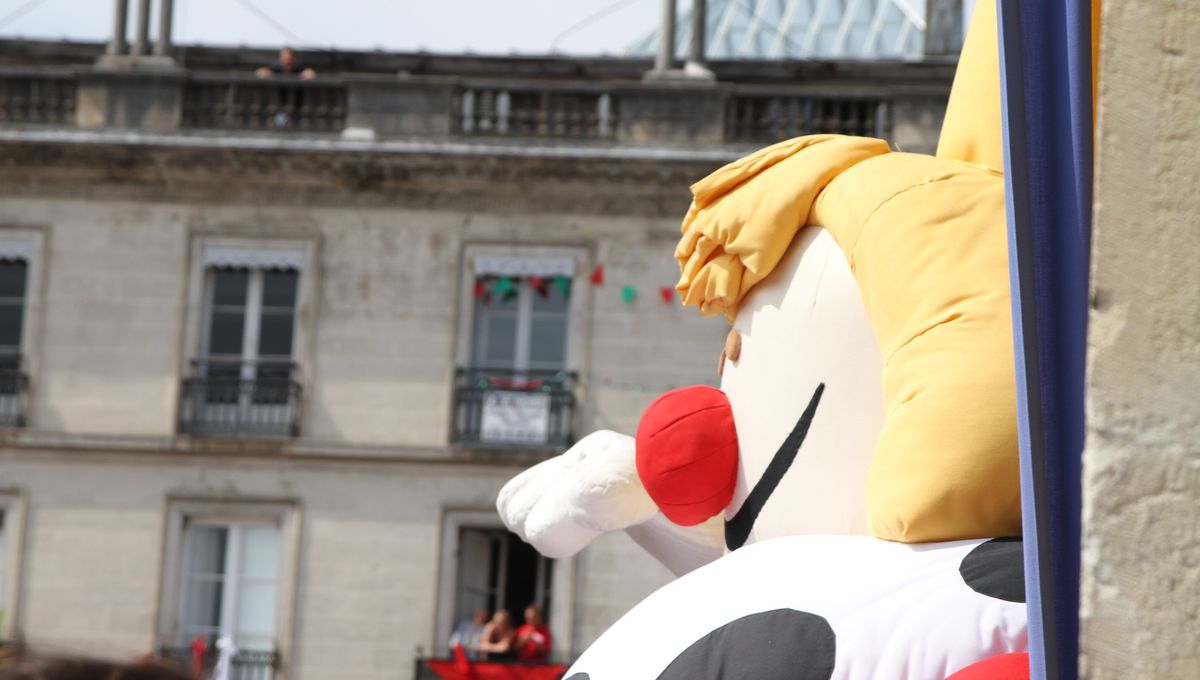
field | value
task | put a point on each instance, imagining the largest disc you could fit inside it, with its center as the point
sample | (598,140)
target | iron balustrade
(534,112)
(755,118)
(501,407)
(277,104)
(33,97)
(247,664)
(14,390)
(234,398)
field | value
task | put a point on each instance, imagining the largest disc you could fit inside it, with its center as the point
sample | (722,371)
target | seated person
(533,637)
(287,65)
(498,637)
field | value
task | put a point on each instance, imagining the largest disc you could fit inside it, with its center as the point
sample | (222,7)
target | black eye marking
(996,568)
(783,644)
(737,530)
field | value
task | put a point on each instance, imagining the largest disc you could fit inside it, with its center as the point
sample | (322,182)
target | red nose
(687,452)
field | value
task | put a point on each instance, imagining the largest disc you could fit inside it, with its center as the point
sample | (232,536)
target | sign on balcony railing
(267,105)
(240,398)
(767,118)
(534,113)
(27,98)
(513,408)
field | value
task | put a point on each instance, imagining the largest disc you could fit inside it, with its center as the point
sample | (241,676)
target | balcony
(766,118)
(534,112)
(240,399)
(245,665)
(506,408)
(560,101)
(224,102)
(41,96)
(14,389)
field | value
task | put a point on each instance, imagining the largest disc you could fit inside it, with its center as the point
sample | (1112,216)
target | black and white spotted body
(823,608)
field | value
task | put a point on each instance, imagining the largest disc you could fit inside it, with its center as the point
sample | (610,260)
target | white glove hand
(561,505)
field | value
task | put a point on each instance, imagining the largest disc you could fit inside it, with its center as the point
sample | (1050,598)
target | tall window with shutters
(517,389)
(245,379)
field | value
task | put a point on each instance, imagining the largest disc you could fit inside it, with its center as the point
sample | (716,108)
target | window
(515,388)
(497,570)
(229,571)
(14,278)
(230,584)
(3,567)
(245,378)
(12,513)
(484,566)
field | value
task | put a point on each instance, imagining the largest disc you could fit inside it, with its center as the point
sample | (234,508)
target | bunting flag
(628,293)
(505,288)
(563,284)
(539,284)
(597,277)
(480,288)
(667,293)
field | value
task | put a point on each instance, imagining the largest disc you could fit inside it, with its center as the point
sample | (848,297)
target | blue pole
(1046,97)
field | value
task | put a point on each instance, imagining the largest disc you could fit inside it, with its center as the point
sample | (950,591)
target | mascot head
(869,374)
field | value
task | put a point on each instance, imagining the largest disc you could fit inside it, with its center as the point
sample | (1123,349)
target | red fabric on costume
(687,453)
(530,650)
(1002,667)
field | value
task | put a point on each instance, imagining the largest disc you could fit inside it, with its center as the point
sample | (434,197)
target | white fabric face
(894,611)
(802,326)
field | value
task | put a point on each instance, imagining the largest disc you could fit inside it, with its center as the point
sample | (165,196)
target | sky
(446,26)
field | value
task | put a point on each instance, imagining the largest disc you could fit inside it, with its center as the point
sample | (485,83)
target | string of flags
(505,288)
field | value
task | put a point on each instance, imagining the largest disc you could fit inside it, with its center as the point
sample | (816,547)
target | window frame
(561,616)
(182,513)
(30,240)
(576,351)
(194,341)
(14,503)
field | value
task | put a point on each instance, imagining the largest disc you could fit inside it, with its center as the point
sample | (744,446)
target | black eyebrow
(737,530)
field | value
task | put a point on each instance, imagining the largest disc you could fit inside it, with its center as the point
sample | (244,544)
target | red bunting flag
(667,293)
(480,288)
(597,277)
(539,284)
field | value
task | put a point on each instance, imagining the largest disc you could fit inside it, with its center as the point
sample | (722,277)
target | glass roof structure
(803,29)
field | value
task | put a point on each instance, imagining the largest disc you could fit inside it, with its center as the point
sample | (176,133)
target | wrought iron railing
(14,390)
(534,112)
(498,407)
(47,98)
(246,664)
(240,398)
(754,118)
(268,104)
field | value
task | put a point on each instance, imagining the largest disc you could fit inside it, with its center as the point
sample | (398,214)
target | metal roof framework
(805,29)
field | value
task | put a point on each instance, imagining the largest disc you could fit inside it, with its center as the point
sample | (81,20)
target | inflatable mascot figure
(846,504)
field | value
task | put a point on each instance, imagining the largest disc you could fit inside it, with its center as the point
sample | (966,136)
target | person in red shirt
(533,637)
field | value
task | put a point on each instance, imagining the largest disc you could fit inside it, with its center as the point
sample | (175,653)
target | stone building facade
(269,348)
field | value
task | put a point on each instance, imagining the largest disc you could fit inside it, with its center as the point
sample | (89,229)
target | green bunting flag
(628,293)
(504,287)
(563,284)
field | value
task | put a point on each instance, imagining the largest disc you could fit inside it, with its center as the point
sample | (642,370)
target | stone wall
(1141,541)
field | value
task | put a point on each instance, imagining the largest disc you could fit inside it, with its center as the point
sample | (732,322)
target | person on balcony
(533,637)
(287,65)
(498,637)
(469,634)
